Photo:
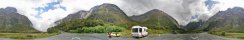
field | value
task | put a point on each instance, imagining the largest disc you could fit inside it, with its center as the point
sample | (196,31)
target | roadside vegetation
(86,26)
(29,34)
(228,34)
(98,29)
(26,35)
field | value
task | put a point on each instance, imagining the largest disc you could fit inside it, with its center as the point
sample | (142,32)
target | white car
(138,31)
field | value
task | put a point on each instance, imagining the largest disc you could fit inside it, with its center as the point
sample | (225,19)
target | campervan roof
(139,27)
(136,27)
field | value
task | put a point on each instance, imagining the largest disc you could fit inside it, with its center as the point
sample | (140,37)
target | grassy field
(234,35)
(26,35)
(229,34)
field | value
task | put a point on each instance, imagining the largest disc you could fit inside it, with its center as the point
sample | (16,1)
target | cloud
(49,6)
(223,5)
(43,13)
(181,10)
(184,11)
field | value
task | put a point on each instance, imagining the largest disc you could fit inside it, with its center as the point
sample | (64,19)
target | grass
(229,34)
(234,35)
(126,33)
(152,31)
(26,35)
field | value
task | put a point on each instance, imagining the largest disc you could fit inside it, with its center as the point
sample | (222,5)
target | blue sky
(210,4)
(50,6)
(194,16)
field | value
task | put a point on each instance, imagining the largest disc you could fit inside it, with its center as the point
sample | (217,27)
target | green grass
(126,33)
(26,35)
(235,35)
(229,34)
(152,31)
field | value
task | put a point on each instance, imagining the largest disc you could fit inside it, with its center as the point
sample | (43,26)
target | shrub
(74,31)
(102,29)
(67,25)
(223,33)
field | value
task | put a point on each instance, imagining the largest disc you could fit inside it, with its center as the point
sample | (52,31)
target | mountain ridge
(231,19)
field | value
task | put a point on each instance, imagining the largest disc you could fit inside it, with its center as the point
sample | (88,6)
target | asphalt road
(75,36)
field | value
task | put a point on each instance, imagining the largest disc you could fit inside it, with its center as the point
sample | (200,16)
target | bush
(102,29)
(223,33)
(86,26)
(218,33)
(67,25)
(74,31)
(52,30)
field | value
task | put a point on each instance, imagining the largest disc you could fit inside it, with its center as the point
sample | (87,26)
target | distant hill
(194,26)
(156,19)
(11,21)
(231,20)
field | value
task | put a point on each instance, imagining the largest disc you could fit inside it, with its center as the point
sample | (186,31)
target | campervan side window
(135,30)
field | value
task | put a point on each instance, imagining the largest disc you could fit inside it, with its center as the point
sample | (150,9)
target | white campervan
(138,31)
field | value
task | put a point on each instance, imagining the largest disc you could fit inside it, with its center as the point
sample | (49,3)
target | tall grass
(26,35)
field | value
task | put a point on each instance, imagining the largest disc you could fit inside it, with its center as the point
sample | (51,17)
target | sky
(43,13)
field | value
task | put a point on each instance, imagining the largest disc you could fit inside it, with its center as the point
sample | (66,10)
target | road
(75,36)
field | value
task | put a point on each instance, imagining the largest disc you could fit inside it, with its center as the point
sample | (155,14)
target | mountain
(108,13)
(102,14)
(11,21)
(231,20)
(78,15)
(156,19)
(105,12)
(193,26)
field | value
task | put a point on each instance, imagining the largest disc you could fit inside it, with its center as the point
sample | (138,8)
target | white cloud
(225,4)
(27,8)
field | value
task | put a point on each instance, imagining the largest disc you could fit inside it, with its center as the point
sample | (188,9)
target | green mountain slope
(156,19)
(105,12)
(101,14)
(108,13)
(11,21)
